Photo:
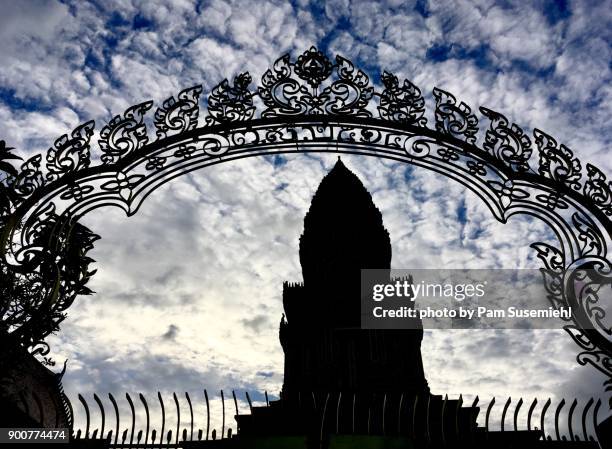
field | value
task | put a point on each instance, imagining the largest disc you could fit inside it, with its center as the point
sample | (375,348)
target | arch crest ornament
(308,104)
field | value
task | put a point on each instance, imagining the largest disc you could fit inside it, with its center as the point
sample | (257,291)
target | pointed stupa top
(343,231)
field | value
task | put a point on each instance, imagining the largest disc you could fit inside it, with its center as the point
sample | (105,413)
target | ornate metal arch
(315,104)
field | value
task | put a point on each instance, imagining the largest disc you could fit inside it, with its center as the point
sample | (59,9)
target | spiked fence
(164,434)
(575,421)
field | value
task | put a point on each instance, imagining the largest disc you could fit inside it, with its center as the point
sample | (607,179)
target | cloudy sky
(188,291)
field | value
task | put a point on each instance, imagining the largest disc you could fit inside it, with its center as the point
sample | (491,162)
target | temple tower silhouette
(340,379)
(324,345)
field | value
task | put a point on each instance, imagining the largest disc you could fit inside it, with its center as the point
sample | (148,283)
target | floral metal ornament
(403,103)
(231,103)
(179,114)
(313,67)
(310,104)
(295,88)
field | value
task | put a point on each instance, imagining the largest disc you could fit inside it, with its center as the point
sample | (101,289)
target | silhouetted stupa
(365,386)
(325,347)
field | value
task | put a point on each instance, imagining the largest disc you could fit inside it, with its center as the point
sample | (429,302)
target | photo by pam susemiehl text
(447,298)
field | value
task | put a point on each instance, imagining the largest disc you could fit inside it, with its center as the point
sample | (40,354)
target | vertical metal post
(146,407)
(223,422)
(82,399)
(163,413)
(101,407)
(133,410)
(191,415)
(178,417)
(207,414)
(112,399)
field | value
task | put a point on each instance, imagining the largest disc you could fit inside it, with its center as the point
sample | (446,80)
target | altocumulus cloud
(188,291)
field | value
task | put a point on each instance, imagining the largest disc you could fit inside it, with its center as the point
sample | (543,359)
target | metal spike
(207,414)
(163,413)
(503,420)
(153,436)
(178,417)
(169,437)
(133,410)
(223,422)
(354,399)
(323,416)
(94,434)
(184,434)
(338,413)
(190,414)
(595,413)
(267,402)
(139,436)
(384,409)
(584,416)
(428,419)
(100,406)
(489,414)
(569,419)
(148,418)
(475,403)
(516,412)
(199,434)
(236,401)
(559,407)
(87,417)
(544,410)
(399,414)
(124,436)
(248,398)
(112,399)
(442,420)
(530,413)
(457,414)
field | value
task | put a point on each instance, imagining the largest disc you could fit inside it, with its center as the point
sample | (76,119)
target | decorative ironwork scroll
(312,103)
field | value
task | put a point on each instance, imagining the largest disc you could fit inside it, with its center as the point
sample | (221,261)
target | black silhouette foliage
(32,303)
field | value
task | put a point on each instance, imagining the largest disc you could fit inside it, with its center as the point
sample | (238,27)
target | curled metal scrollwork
(454,119)
(508,143)
(312,103)
(178,114)
(557,162)
(29,178)
(124,135)
(313,67)
(403,104)
(295,88)
(598,190)
(70,154)
(231,103)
